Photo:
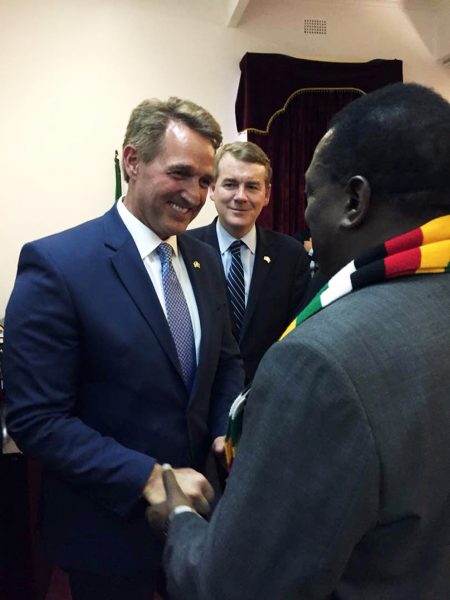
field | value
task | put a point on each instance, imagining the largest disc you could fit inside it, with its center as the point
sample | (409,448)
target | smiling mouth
(184,210)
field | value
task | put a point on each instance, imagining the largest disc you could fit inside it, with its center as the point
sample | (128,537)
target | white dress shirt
(147,241)
(248,249)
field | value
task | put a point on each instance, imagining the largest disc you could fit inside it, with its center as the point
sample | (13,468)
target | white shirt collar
(225,239)
(145,239)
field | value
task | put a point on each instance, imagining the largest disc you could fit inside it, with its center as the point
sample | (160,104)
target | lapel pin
(267,259)
(196,264)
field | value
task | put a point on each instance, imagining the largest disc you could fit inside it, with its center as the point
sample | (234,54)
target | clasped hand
(175,487)
(168,488)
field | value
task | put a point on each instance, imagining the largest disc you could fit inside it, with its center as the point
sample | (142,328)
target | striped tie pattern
(178,316)
(236,286)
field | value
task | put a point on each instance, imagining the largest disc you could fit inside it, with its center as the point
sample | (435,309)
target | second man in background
(267,272)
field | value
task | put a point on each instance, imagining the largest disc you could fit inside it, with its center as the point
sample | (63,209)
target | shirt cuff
(182,508)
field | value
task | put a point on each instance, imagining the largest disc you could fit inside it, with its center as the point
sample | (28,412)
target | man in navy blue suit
(275,266)
(102,384)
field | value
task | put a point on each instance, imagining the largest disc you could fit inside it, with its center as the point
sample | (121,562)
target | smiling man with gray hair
(119,356)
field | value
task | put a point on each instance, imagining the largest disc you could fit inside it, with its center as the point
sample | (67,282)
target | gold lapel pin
(196,264)
(267,259)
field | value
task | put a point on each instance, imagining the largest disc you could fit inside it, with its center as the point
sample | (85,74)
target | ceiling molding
(236,9)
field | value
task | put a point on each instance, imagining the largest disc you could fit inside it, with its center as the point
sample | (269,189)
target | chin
(240,221)
(182,223)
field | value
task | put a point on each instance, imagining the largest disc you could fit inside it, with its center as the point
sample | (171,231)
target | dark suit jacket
(280,278)
(94,388)
(340,487)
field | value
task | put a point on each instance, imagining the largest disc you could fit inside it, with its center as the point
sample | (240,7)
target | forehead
(230,167)
(186,146)
(317,172)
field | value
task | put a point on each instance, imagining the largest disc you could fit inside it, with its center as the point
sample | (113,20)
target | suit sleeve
(43,345)
(303,490)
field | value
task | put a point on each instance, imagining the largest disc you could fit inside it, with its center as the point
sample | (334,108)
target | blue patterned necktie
(178,316)
(236,285)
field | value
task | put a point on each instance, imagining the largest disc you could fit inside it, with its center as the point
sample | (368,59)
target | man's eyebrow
(188,170)
(180,167)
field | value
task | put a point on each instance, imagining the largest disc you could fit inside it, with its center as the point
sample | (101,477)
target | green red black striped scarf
(423,250)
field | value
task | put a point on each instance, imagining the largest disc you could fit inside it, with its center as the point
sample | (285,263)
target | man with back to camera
(267,272)
(340,485)
(119,356)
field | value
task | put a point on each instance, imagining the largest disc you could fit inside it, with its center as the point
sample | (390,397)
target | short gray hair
(149,120)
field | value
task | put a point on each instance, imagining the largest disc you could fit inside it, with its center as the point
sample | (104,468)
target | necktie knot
(235,248)
(165,251)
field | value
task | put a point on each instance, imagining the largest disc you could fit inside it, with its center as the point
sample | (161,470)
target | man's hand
(158,514)
(218,449)
(193,487)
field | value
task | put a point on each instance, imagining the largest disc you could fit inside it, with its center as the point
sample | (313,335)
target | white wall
(72,70)
(443,30)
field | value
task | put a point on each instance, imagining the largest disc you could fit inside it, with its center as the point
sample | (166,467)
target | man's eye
(205,183)
(178,174)
(229,185)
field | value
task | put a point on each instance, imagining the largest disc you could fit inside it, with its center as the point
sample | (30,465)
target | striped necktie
(236,285)
(178,316)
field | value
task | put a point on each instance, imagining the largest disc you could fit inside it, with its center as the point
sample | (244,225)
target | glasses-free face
(239,193)
(326,207)
(167,193)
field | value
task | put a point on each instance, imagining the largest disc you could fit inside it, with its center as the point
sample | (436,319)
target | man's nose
(196,192)
(241,193)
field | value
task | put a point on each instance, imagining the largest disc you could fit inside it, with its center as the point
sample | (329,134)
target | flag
(118,176)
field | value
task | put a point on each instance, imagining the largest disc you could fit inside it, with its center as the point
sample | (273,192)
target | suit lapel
(133,275)
(264,257)
(211,235)
(204,297)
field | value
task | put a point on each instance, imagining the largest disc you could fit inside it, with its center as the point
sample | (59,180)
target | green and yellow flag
(118,176)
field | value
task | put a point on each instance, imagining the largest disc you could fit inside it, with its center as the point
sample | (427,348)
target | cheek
(314,213)
(314,221)
(203,196)
(222,199)
(308,214)
(258,206)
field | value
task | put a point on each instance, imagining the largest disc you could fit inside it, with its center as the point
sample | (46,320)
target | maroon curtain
(285,105)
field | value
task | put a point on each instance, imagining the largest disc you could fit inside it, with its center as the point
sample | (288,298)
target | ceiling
(235,9)
(437,38)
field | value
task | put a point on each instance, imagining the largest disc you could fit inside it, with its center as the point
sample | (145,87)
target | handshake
(173,488)
(168,488)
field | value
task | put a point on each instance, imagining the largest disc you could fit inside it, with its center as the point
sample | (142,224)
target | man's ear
(130,161)
(212,187)
(358,201)
(268,192)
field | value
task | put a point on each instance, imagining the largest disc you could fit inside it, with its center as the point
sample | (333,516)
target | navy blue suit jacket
(280,278)
(94,387)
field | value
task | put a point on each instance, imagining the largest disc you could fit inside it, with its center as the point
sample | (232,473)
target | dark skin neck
(380,224)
